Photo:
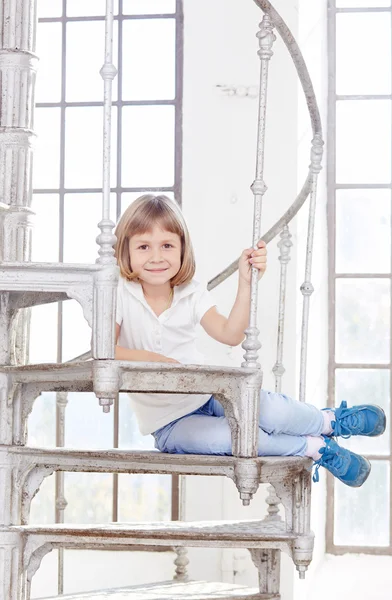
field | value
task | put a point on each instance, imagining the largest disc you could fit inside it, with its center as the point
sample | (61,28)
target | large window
(146,142)
(360,176)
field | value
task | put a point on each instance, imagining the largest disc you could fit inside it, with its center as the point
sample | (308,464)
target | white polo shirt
(172,334)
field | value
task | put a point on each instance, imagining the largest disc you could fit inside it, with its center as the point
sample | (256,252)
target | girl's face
(155,255)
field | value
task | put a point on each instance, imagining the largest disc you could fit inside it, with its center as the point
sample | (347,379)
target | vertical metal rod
(284,245)
(106,239)
(61,502)
(307,288)
(119,107)
(179,100)
(390,333)
(331,200)
(61,399)
(266,37)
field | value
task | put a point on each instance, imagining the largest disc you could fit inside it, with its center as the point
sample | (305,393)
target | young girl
(158,308)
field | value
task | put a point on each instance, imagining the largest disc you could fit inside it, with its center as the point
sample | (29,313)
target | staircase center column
(17,81)
(17,76)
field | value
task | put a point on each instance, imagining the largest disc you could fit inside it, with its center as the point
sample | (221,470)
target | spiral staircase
(24,284)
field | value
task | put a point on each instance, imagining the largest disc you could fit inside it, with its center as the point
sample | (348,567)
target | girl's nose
(156,256)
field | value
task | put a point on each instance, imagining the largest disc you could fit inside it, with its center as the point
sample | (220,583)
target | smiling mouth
(156,270)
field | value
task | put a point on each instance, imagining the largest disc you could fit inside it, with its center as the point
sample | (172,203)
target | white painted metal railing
(106,238)
(266,38)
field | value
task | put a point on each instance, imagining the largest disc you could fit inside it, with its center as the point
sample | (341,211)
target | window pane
(129,197)
(88,8)
(82,213)
(49,8)
(43,510)
(355,66)
(130,437)
(86,425)
(149,59)
(49,48)
(74,321)
(141,497)
(144,498)
(83,147)
(45,237)
(363,126)
(363,215)
(84,61)
(42,421)
(43,334)
(362,320)
(362,3)
(93,507)
(148,146)
(47,151)
(146,7)
(361,386)
(362,514)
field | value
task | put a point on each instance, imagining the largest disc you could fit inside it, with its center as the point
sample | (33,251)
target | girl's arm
(230,330)
(139,355)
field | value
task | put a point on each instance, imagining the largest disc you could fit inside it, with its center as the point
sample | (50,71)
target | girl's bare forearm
(140,355)
(238,319)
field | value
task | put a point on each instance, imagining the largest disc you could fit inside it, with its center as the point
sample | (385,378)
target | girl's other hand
(252,258)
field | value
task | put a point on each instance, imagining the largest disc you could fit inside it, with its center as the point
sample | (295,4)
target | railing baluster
(106,238)
(266,37)
(307,286)
(284,245)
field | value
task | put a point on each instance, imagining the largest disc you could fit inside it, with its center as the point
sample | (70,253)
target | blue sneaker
(350,468)
(364,419)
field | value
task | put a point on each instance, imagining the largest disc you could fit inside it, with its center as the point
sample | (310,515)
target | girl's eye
(167,246)
(143,247)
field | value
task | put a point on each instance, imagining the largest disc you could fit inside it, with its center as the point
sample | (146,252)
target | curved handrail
(271,233)
(315,119)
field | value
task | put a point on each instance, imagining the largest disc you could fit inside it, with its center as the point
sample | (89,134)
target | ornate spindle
(307,287)
(284,245)
(273,506)
(266,37)
(106,238)
(61,502)
(181,562)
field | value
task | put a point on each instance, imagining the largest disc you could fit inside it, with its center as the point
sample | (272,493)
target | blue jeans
(283,425)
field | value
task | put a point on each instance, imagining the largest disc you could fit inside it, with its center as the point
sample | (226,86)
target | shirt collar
(180,291)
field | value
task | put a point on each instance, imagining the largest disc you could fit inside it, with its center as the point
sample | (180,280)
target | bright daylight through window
(360,109)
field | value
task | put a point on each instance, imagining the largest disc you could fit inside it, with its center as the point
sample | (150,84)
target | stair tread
(49,456)
(233,530)
(127,366)
(192,590)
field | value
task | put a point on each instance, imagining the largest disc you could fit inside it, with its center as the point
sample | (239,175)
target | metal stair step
(150,461)
(236,533)
(192,590)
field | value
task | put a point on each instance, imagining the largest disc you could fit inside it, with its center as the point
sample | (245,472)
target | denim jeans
(283,425)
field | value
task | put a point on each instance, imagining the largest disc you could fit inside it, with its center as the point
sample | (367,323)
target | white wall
(219,163)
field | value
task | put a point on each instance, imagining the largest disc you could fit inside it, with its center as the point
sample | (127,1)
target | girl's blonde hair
(140,217)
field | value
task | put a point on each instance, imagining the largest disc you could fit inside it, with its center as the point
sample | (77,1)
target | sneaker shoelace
(345,425)
(328,459)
